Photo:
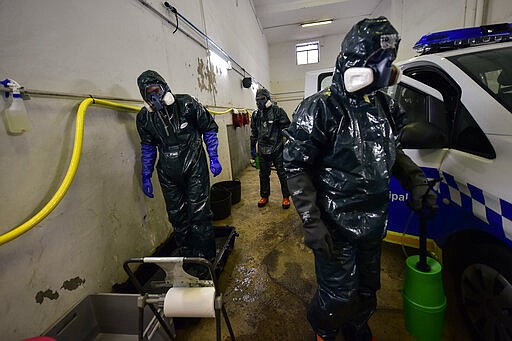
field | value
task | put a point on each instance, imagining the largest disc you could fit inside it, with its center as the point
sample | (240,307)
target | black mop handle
(425,214)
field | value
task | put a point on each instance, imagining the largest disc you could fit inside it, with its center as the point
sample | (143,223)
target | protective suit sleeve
(412,178)
(306,137)
(284,121)
(142,123)
(316,234)
(212,143)
(148,158)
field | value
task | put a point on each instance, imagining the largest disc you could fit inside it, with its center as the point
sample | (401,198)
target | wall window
(307,53)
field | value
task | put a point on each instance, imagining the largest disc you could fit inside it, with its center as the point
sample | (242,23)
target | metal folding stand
(176,277)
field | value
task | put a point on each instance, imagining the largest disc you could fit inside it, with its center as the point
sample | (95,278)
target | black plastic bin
(220,203)
(234,186)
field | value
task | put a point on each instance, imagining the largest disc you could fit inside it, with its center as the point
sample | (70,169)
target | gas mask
(357,78)
(378,70)
(263,103)
(157,97)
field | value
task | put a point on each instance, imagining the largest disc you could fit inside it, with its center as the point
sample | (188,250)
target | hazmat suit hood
(371,44)
(263,99)
(151,77)
(262,92)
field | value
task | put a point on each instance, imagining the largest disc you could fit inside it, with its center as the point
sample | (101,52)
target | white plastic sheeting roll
(190,302)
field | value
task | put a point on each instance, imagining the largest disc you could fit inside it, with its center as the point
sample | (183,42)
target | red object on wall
(237,119)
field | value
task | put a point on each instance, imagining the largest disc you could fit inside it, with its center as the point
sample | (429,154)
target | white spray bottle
(15,115)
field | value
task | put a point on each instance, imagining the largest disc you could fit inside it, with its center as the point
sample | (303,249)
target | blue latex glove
(211,141)
(148,158)
(215,166)
(253,147)
(147,187)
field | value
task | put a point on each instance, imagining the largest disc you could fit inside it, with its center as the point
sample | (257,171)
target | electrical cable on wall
(173,10)
(209,40)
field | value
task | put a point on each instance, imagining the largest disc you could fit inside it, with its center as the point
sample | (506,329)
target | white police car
(458,98)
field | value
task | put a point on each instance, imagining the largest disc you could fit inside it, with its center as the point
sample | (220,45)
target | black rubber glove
(412,178)
(319,239)
(422,200)
(316,234)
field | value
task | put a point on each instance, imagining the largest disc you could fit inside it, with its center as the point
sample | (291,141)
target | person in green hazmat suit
(339,158)
(174,127)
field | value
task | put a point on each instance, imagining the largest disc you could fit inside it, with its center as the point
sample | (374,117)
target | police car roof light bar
(463,37)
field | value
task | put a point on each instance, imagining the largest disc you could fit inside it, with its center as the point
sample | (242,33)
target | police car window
(491,70)
(419,106)
(468,137)
(324,80)
(438,80)
(413,102)
(438,115)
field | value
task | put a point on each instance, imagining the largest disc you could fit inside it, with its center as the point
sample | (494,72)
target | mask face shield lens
(261,101)
(154,95)
(389,41)
(381,62)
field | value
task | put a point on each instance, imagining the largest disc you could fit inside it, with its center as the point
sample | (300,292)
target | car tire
(483,287)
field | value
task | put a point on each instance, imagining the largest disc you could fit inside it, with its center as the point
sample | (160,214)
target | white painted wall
(97,47)
(412,18)
(287,78)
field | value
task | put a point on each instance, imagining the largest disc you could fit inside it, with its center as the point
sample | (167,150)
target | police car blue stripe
(495,212)
(476,193)
(506,209)
(467,203)
(450,180)
(493,218)
(431,173)
(444,190)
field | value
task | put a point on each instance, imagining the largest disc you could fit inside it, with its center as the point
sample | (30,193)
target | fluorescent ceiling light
(316,23)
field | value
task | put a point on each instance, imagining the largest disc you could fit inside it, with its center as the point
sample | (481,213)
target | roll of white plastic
(190,302)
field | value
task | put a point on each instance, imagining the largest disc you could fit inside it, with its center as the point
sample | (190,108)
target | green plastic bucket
(424,300)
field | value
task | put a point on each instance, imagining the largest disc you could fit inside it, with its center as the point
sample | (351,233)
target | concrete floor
(269,278)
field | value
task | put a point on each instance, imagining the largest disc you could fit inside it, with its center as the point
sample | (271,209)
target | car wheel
(483,286)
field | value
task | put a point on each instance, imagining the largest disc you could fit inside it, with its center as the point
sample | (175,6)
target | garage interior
(66,55)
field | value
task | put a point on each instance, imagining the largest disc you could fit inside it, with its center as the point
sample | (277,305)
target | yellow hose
(219,112)
(213,112)
(70,174)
